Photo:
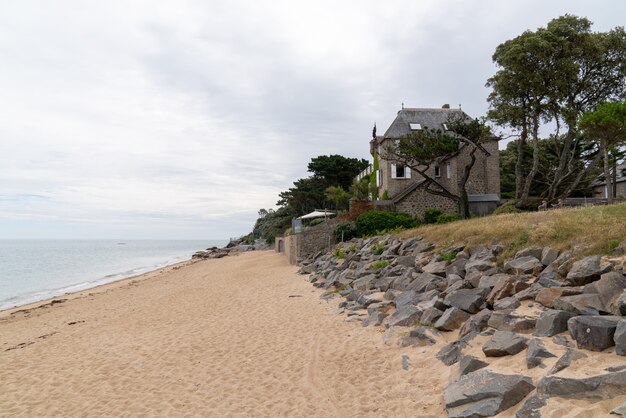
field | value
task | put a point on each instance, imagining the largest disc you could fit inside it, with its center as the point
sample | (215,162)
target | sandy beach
(237,336)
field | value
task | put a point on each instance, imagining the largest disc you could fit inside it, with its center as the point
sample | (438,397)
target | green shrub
(613,244)
(380,264)
(448,256)
(370,223)
(508,207)
(344,231)
(378,249)
(449,217)
(352,249)
(431,215)
(317,221)
(385,195)
(339,253)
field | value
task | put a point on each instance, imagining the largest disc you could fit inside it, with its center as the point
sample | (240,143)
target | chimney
(445,106)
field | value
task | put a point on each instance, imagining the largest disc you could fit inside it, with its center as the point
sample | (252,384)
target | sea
(34,270)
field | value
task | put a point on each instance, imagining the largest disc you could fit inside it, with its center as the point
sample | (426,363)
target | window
(437,171)
(445,127)
(415,126)
(399,171)
(448,170)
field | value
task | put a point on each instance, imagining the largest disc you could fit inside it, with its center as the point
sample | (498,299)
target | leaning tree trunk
(523,200)
(464,201)
(519,164)
(607,171)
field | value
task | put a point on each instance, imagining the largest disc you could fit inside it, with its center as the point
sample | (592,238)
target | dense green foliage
(508,207)
(327,171)
(448,217)
(344,231)
(607,125)
(548,78)
(431,215)
(369,223)
(270,224)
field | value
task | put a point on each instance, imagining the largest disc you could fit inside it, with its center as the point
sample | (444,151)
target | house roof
(427,118)
(472,198)
(621,176)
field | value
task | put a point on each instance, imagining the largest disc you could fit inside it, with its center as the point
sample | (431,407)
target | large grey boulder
(504,343)
(593,333)
(436,267)
(548,295)
(523,265)
(508,322)
(365,282)
(457,267)
(620,338)
(584,304)
(507,286)
(485,394)
(405,316)
(531,408)
(609,289)
(604,386)
(507,304)
(431,315)
(587,270)
(551,322)
(408,297)
(451,319)
(548,255)
(536,351)
(469,300)
(427,281)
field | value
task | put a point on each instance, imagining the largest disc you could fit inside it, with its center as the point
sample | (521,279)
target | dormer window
(415,126)
(400,171)
(445,127)
(437,171)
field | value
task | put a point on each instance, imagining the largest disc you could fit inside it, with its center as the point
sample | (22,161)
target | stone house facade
(404,186)
(599,186)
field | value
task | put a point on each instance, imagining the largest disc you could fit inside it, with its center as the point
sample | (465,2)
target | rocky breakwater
(542,308)
(232,248)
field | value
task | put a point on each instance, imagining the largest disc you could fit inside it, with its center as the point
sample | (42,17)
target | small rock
(507,304)
(531,408)
(562,340)
(620,411)
(504,343)
(405,316)
(609,289)
(566,359)
(508,322)
(547,296)
(476,323)
(451,353)
(551,322)
(548,255)
(523,265)
(469,300)
(416,337)
(468,364)
(536,351)
(451,319)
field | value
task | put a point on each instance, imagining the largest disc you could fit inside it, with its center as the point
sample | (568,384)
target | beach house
(405,189)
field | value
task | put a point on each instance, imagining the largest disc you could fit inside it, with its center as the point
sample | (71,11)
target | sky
(181,119)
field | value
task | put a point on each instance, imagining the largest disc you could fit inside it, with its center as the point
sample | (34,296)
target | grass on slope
(590,230)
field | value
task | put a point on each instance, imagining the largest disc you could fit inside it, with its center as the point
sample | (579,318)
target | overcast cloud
(181,119)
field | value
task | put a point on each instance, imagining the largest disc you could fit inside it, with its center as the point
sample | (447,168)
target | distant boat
(121,243)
